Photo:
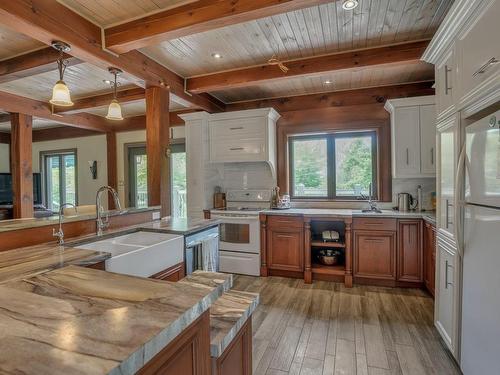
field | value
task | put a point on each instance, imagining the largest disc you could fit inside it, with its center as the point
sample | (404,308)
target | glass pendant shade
(114,111)
(60,95)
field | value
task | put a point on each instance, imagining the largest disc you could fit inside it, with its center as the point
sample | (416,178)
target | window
(333,166)
(138,176)
(59,175)
(178,180)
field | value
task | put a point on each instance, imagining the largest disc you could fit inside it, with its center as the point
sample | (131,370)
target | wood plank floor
(324,328)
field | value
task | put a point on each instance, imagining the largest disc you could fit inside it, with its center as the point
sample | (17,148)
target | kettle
(406,202)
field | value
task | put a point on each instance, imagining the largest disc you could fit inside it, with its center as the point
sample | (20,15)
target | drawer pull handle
(407,156)
(486,66)
(378,240)
(236,128)
(236,148)
(447,88)
(432,155)
(446,282)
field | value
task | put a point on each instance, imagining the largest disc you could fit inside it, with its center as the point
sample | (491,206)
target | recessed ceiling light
(216,55)
(328,82)
(349,4)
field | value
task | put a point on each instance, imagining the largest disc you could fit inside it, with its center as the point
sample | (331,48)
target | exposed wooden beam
(112,166)
(29,64)
(124,96)
(20,166)
(46,20)
(157,142)
(18,104)
(193,18)
(362,96)
(61,132)
(400,53)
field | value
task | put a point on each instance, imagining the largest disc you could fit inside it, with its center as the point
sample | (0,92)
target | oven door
(238,233)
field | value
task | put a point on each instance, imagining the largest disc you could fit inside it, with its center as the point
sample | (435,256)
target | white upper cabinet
(413,131)
(478,51)
(445,85)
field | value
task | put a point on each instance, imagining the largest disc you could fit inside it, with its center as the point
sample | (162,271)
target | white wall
(88,149)
(4,158)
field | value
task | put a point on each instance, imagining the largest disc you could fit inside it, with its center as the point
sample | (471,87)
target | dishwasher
(202,251)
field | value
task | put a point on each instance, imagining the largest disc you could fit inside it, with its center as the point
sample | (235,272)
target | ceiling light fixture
(114,109)
(216,55)
(349,4)
(60,92)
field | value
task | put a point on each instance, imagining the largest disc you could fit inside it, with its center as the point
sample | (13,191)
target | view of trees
(354,165)
(310,172)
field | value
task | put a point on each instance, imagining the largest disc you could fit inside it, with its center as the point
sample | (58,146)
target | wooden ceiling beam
(399,53)
(61,132)
(31,63)
(46,20)
(196,17)
(373,95)
(18,104)
(124,96)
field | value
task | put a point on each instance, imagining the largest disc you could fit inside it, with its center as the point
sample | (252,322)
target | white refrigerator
(480,326)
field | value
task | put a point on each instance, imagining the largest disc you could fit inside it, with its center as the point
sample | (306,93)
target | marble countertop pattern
(180,226)
(16,224)
(76,320)
(227,315)
(342,213)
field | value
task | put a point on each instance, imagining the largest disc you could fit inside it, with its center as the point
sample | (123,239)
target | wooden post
(157,142)
(348,254)
(263,245)
(111,166)
(307,251)
(21,168)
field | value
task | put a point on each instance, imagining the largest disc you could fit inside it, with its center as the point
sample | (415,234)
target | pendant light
(349,4)
(114,109)
(60,92)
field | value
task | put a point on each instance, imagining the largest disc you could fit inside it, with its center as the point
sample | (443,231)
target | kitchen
(280,187)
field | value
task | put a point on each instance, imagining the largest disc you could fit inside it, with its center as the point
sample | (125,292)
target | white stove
(239,247)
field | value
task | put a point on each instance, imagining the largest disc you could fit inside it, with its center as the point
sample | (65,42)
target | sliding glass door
(178,180)
(137,177)
(60,176)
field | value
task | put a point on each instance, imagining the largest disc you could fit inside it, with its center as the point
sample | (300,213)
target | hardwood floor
(325,328)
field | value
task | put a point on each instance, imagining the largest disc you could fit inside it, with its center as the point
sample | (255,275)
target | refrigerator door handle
(459,180)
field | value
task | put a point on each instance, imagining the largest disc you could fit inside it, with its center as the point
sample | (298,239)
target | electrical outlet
(156,216)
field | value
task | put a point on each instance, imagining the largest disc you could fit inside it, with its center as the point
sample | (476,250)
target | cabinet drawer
(374,224)
(285,221)
(375,254)
(237,128)
(238,150)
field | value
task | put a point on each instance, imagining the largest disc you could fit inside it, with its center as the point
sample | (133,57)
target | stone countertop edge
(143,355)
(16,224)
(217,348)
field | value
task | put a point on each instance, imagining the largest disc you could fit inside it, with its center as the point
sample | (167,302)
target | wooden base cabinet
(429,256)
(188,354)
(174,273)
(237,358)
(410,254)
(375,254)
(285,243)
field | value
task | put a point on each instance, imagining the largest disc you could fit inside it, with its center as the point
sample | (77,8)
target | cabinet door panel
(375,254)
(429,256)
(445,85)
(406,128)
(445,296)
(410,266)
(428,139)
(285,249)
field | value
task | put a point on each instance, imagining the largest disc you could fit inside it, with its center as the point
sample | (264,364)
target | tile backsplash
(246,176)
(409,185)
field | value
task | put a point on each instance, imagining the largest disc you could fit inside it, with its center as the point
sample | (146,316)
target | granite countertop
(76,320)
(227,315)
(180,225)
(16,224)
(346,213)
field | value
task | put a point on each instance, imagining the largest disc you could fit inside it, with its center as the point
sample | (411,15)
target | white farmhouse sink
(140,253)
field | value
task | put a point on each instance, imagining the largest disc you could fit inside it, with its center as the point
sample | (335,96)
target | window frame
(62,182)
(330,138)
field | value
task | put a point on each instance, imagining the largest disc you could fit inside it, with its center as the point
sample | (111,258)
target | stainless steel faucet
(60,234)
(371,202)
(100,223)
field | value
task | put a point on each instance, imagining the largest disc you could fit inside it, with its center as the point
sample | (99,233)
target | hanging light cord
(61,65)
(114,86)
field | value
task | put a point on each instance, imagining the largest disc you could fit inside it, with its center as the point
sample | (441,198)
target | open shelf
(328,270)
(327,244)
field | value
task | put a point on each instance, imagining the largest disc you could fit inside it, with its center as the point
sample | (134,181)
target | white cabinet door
(479,51)
(448,143)
(406,133)
(446,297)
(445,85)
(428,139)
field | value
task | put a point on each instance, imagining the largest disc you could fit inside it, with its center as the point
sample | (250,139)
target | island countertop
(76,320)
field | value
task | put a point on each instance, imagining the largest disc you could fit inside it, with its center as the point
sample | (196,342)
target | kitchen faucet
(60,234)
(371,202)
(100,223)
